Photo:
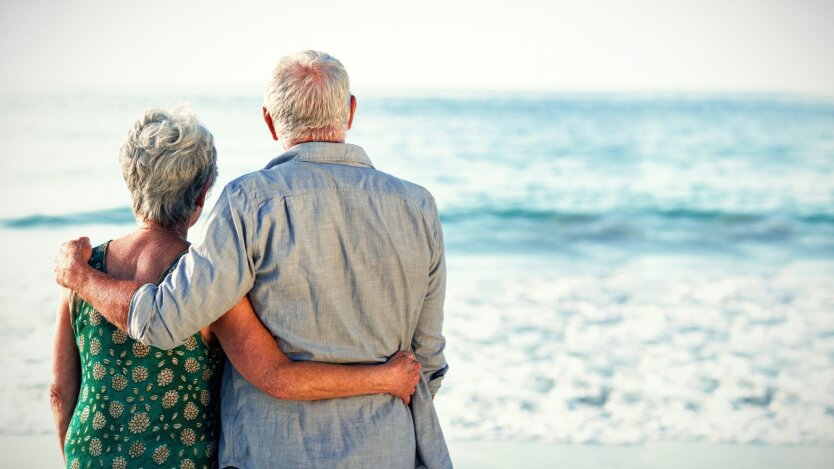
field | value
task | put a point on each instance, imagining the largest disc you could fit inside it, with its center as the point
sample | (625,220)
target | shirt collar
(325,152)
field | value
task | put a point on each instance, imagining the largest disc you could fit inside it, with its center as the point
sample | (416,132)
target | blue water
(549,173)
(627,267)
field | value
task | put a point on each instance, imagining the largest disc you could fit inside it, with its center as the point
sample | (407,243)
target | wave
(113,216)
(489,228)
(564,217)
(680,228)
(124,215)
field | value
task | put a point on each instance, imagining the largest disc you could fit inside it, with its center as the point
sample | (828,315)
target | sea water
(622,268)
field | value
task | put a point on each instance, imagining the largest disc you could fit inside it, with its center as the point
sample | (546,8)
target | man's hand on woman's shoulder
(71,260)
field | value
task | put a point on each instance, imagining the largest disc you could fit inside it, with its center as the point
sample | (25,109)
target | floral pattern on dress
(140,406)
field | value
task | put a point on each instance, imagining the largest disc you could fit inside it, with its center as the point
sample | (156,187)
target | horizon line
(249,90)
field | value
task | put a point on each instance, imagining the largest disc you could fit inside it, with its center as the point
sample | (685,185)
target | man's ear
(352,111)
(199,204)
(269,123)
(201,199)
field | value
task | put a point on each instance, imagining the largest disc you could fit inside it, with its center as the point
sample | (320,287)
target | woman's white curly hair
(168,158)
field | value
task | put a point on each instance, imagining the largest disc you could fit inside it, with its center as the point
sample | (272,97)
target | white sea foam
(556,350)
(643,351)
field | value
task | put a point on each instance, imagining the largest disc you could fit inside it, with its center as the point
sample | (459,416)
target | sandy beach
(41,451)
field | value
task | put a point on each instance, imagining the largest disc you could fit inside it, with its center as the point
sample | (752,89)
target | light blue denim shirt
(344,264)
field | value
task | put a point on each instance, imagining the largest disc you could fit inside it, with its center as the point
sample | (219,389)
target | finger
(79,243)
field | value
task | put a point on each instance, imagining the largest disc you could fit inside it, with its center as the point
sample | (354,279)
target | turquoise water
(530,174)
(622,268)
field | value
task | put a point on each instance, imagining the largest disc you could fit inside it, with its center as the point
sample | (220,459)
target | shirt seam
(328,159)
(245,215)
(258,202)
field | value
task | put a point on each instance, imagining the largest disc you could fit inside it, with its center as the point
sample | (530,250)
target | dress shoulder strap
(171,267)
(98,261)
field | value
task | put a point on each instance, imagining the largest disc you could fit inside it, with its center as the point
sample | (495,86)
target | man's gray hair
(166,161)
(308,97)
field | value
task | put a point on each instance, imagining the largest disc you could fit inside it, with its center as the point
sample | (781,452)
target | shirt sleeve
(208,280)
(428,341)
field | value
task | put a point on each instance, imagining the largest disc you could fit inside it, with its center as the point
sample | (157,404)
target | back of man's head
(308,98)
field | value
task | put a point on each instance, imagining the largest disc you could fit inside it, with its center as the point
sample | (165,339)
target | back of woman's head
(168,158)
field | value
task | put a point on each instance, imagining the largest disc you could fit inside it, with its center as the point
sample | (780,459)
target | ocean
(622,268)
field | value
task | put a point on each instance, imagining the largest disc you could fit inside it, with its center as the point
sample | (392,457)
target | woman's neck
(152,230)
(144,254)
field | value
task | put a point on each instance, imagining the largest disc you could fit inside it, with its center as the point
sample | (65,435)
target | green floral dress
(139,406)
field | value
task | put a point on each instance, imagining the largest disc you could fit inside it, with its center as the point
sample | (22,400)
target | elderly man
(343,262)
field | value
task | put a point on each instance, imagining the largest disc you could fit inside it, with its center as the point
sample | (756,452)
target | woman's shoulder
(140,257)
(76,303)
(98,260)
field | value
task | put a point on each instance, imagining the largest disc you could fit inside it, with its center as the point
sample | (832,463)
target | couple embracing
(303,331)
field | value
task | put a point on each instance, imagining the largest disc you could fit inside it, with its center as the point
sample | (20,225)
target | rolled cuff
(436,378)
(139,315)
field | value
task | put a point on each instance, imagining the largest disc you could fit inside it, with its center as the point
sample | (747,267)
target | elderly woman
(119,403)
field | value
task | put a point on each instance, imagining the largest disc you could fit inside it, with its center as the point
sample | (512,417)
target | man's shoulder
(244,181)
(286,179)
(253,186)
(385,182)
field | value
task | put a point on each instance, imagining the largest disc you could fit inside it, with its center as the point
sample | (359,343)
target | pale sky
(585,45)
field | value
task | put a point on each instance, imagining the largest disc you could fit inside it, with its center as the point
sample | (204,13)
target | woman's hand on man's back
(403,373)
